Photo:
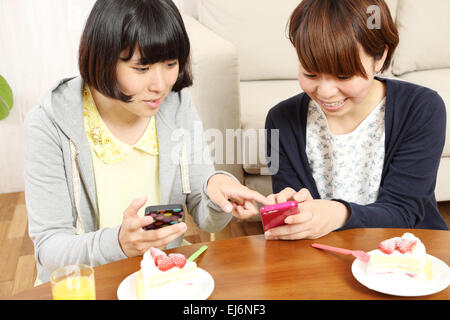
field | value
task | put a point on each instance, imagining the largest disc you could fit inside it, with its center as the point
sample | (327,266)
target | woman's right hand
(315,219)
(134,240)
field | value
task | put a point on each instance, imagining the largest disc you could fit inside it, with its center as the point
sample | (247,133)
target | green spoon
(197,253)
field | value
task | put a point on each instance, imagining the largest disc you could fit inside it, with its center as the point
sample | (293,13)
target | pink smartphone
(274,215)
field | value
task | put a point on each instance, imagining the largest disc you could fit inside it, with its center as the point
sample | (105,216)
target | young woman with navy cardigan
(355,150)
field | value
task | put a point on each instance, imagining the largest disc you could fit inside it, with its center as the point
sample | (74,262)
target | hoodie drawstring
(76,187)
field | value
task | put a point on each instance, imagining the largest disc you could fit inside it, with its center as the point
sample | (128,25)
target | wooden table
(253,268)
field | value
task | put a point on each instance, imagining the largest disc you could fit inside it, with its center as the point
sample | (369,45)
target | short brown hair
(327,35)
(155,27)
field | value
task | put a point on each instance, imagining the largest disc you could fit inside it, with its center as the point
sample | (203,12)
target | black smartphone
(164,215)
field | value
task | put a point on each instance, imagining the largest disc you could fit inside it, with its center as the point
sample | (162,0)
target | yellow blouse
(122,172)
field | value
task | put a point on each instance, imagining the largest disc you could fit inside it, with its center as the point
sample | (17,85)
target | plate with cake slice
(166,277)
(400,266)
(199,288)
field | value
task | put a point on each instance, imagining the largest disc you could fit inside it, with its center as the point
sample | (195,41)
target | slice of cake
(404,255)
(159,269)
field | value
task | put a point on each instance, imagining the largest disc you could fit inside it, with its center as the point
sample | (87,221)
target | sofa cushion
(392,4)
(257,98)
(437,80)
(258,29)
(423,27)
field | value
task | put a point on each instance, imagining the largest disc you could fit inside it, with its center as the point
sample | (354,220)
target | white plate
(404,286)
(199,288)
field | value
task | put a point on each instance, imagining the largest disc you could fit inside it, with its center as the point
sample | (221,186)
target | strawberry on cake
(404,255)
(159,269)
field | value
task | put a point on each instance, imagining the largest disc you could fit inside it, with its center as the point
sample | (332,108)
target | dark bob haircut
(154,27)
(327,35)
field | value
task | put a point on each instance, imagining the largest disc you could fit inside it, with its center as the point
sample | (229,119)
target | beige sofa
(256,66)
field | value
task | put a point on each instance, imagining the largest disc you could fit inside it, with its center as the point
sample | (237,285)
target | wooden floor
(17,264)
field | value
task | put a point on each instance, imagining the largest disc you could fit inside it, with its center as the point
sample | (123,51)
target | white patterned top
(347,166)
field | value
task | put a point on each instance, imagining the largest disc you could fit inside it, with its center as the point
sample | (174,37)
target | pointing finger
(248,194)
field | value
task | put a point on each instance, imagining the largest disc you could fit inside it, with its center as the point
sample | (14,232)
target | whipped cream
(418,250)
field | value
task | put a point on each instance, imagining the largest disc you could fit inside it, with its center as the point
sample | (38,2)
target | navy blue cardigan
(414,139)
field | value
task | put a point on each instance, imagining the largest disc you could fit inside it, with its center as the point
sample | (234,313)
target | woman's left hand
(232,197)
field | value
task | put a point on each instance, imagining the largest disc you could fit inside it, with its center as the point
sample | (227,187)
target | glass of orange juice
(74,282)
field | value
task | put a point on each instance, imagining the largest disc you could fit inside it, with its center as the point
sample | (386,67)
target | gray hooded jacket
(60,188)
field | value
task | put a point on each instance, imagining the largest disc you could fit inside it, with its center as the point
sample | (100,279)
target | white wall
(38,46)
